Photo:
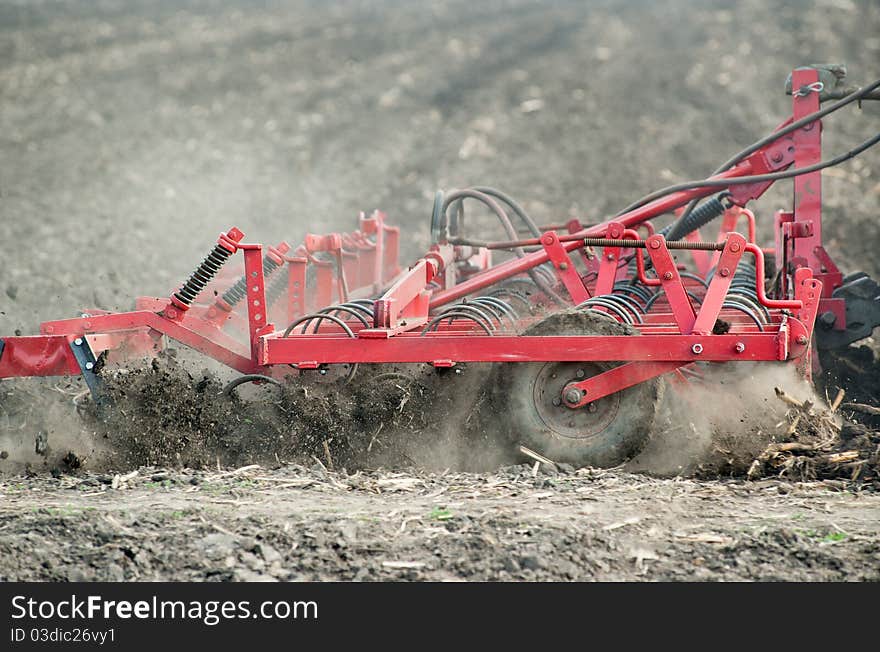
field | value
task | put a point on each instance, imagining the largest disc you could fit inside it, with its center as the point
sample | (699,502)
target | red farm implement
(583,322)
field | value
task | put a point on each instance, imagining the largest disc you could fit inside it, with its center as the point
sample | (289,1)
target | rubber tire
(512,391)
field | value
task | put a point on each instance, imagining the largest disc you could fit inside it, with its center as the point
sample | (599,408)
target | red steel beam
(137,320)
(404,348)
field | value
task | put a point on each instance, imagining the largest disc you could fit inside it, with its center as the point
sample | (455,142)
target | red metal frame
(681,327)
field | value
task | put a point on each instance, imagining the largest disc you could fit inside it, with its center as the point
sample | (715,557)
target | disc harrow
(583,323)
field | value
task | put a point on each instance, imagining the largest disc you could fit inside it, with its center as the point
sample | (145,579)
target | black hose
(514,206)
(456,198)
(776,135)
(238,291)
(761,178)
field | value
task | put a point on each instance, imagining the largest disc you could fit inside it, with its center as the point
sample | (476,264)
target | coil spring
(238,291)
(276,289)
(699,217)
(203,274)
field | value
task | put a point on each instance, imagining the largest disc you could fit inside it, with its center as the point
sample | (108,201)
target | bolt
(739,347)
(724,271)
(78,341)
(548,239)
(573,396)
(610,256)
(90,365)
(563,266)
(697,348)
(827,319)
(734,246)
(591,407)
(557,402)
(801,339)
(580,373)
(50,329)
(777,157)
(667,276)
(654,244)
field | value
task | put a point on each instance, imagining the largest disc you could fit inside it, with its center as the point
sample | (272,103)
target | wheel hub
(577,423)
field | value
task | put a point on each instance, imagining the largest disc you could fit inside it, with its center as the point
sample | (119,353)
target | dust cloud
(720,420)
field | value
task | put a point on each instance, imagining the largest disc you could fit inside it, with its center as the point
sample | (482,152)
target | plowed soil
(133,132)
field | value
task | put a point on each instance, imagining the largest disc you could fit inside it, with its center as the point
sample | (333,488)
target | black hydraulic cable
(459,195)
(519,210)
(761,178)
(797,124)
(773,137)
